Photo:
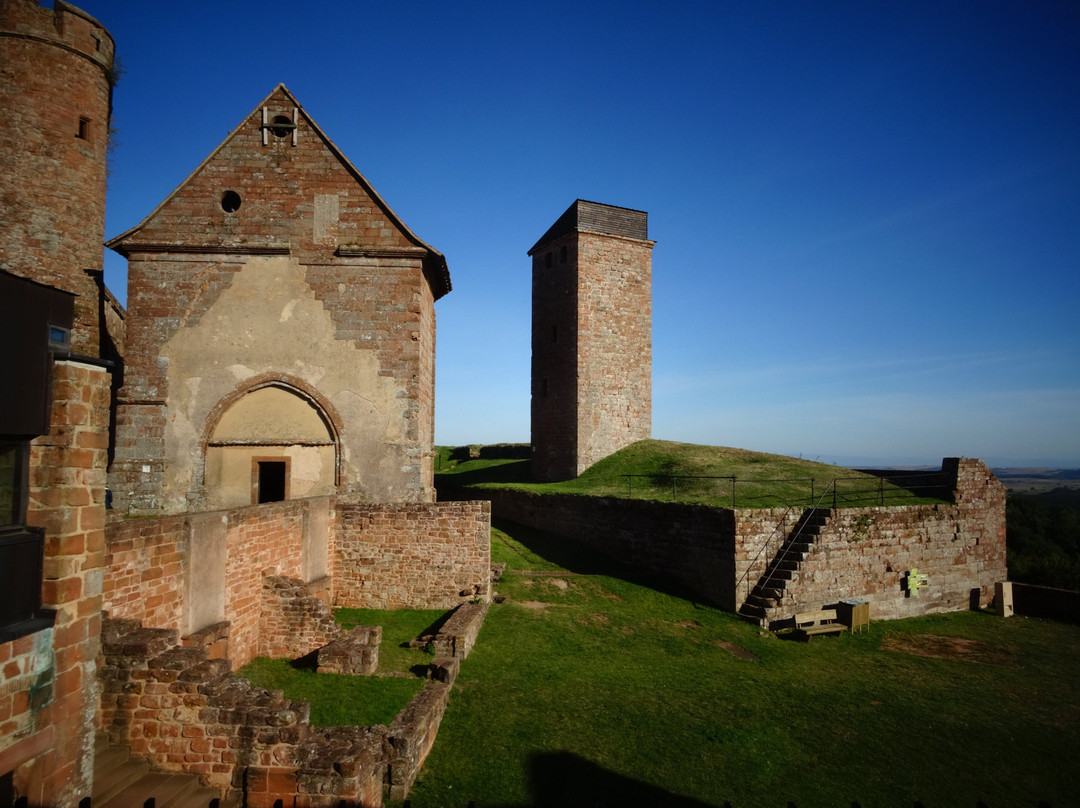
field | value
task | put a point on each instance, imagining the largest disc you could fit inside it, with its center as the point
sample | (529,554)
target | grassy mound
(713,475)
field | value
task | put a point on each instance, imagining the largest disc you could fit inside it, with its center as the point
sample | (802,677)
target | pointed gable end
(278,185)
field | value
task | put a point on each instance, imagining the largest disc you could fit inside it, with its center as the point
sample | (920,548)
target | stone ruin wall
(693,544)
(412,556)
(177,705)
(863,552)
(188,572)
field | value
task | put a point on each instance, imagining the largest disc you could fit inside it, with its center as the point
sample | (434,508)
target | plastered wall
(310,283)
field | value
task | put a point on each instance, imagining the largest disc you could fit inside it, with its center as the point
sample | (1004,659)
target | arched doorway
(272,442)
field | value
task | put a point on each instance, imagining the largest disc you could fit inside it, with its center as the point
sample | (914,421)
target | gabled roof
(435,267)
(594,217)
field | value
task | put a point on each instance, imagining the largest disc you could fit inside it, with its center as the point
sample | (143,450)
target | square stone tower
(591,338)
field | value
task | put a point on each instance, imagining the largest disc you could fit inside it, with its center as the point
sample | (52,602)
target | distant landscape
(1037,480)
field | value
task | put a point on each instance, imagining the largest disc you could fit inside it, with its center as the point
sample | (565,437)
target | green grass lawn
(761,480)
(588,687)
(338,700)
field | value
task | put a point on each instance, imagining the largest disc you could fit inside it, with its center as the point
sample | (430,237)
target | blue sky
(867,214)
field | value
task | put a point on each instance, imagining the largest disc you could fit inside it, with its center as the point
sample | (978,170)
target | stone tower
(56,77)
(591,338)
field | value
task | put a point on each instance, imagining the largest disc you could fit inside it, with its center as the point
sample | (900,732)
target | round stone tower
(56,77)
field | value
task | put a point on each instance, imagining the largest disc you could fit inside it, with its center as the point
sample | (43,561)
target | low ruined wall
(411,736)
(861,552)
(184,711)
(188,572)
(458,634)
(865,553)
(145,570)
(418,556)
(293,622)
(196,570)
(693,544)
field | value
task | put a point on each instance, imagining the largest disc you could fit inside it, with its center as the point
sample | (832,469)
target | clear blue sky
(867,214)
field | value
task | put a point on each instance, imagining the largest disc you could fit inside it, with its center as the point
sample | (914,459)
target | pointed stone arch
(272,420)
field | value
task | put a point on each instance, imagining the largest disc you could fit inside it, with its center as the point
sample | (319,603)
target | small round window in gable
(230,201)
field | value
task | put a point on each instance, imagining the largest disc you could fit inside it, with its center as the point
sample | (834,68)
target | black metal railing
(787,540)
(879,488)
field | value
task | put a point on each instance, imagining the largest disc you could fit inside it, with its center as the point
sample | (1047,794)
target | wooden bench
(819,622)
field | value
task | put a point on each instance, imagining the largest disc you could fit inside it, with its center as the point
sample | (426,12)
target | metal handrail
(791,539)
(763,548)
(878,491)
(764,581)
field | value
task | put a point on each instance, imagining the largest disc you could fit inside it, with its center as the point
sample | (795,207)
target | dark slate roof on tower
(594,217)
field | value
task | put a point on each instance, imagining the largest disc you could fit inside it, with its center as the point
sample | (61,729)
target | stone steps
(123,781)
(768,593)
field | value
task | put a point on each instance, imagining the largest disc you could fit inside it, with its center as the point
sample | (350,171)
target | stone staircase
(192,721)
(123,781)
(765,601)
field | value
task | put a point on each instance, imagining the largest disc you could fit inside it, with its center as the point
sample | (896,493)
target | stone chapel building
(281,332)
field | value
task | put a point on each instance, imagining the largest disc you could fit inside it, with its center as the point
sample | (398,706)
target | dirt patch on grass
(689,624)
(959,648)
(594,618)
(535,605)
(735,650)
(559,583)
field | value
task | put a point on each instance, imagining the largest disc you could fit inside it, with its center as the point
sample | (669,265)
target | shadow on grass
(433,629)
(308,662)
(563,778)
(516,471)
(573,556)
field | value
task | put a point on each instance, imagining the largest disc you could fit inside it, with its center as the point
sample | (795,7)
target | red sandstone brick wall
(262,540)
(147,565)
(293,622)
(52,183)
(432,556)
(863,552)
(591,351)
(614,365)
(48,695)
(381,556)
(145,570)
